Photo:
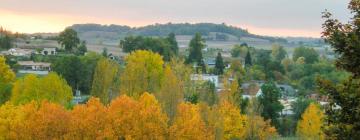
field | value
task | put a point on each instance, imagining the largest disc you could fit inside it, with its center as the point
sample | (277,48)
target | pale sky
(263,17)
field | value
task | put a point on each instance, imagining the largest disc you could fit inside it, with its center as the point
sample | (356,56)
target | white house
(39,68)
(49,51)
(206,77)
(20,52)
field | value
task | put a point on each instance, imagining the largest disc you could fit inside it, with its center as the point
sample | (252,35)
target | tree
(7,76)
(188,124)
(195,47)
(51,87)
(257,127)
(106,80)
(88,63)
(105,52)
(71,69)
(269,100)
(141,119)
(239,51)
(248,61)
(143,73)
(68,39)
(48,121)
(311,123)
(278,52)
(342,113)
(82,49)
(171,93)
(310,55)
(234,124)
(89,121)
(219,65)
(6,41)
(173,43)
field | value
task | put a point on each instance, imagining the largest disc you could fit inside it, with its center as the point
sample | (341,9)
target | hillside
(99,34)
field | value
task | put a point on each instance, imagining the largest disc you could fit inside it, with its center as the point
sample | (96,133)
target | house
(206,77)
(20,52)
(49,51)
(40,68)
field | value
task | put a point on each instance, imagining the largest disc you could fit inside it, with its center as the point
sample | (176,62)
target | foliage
(269,100)
(106,80)
(82,49)
(68,39)
(278,52)
(31,88)
(233,122)
(188,124)
(167,47)
(7,76)
(71,69)
(197,43)
(311,123)
(219,65)
(171,93)
(239,51)
(310,55)
(248,60)
(143,73)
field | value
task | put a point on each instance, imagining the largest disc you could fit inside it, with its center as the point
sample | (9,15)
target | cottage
(20,52)
(39,68)
(206,77)
(49,51)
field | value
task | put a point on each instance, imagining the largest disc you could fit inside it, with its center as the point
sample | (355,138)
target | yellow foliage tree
(106,80)
(233,123)
(171,93)
(188,124)
(10,119)
(143,73)
(141,119)
(51,87)
(309,127)
(89,121)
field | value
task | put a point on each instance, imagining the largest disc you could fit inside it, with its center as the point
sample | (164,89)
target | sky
(262,17)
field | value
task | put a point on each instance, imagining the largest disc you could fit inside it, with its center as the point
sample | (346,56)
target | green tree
(106,80)
(269,100)
(82,49)
(310,55)
(278,52)
(7,76)
(70,68)
(68,39)
(105,52)
(173,43)
(6,41)
(219,65)
(343,112)
(195,47)
(248,61)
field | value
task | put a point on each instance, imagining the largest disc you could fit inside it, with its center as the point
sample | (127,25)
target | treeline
(179,29)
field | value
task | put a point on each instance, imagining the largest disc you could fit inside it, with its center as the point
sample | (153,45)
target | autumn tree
(51,87)
(7,76)
(106,80)
(68,39)
(48,121)
(143,73)
(257,127)
(188,124)
(233,123)
(342,113)
(171,93)
(89,121)
(132,119)
(311,123)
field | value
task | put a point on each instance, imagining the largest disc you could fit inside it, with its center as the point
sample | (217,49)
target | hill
(97,33)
